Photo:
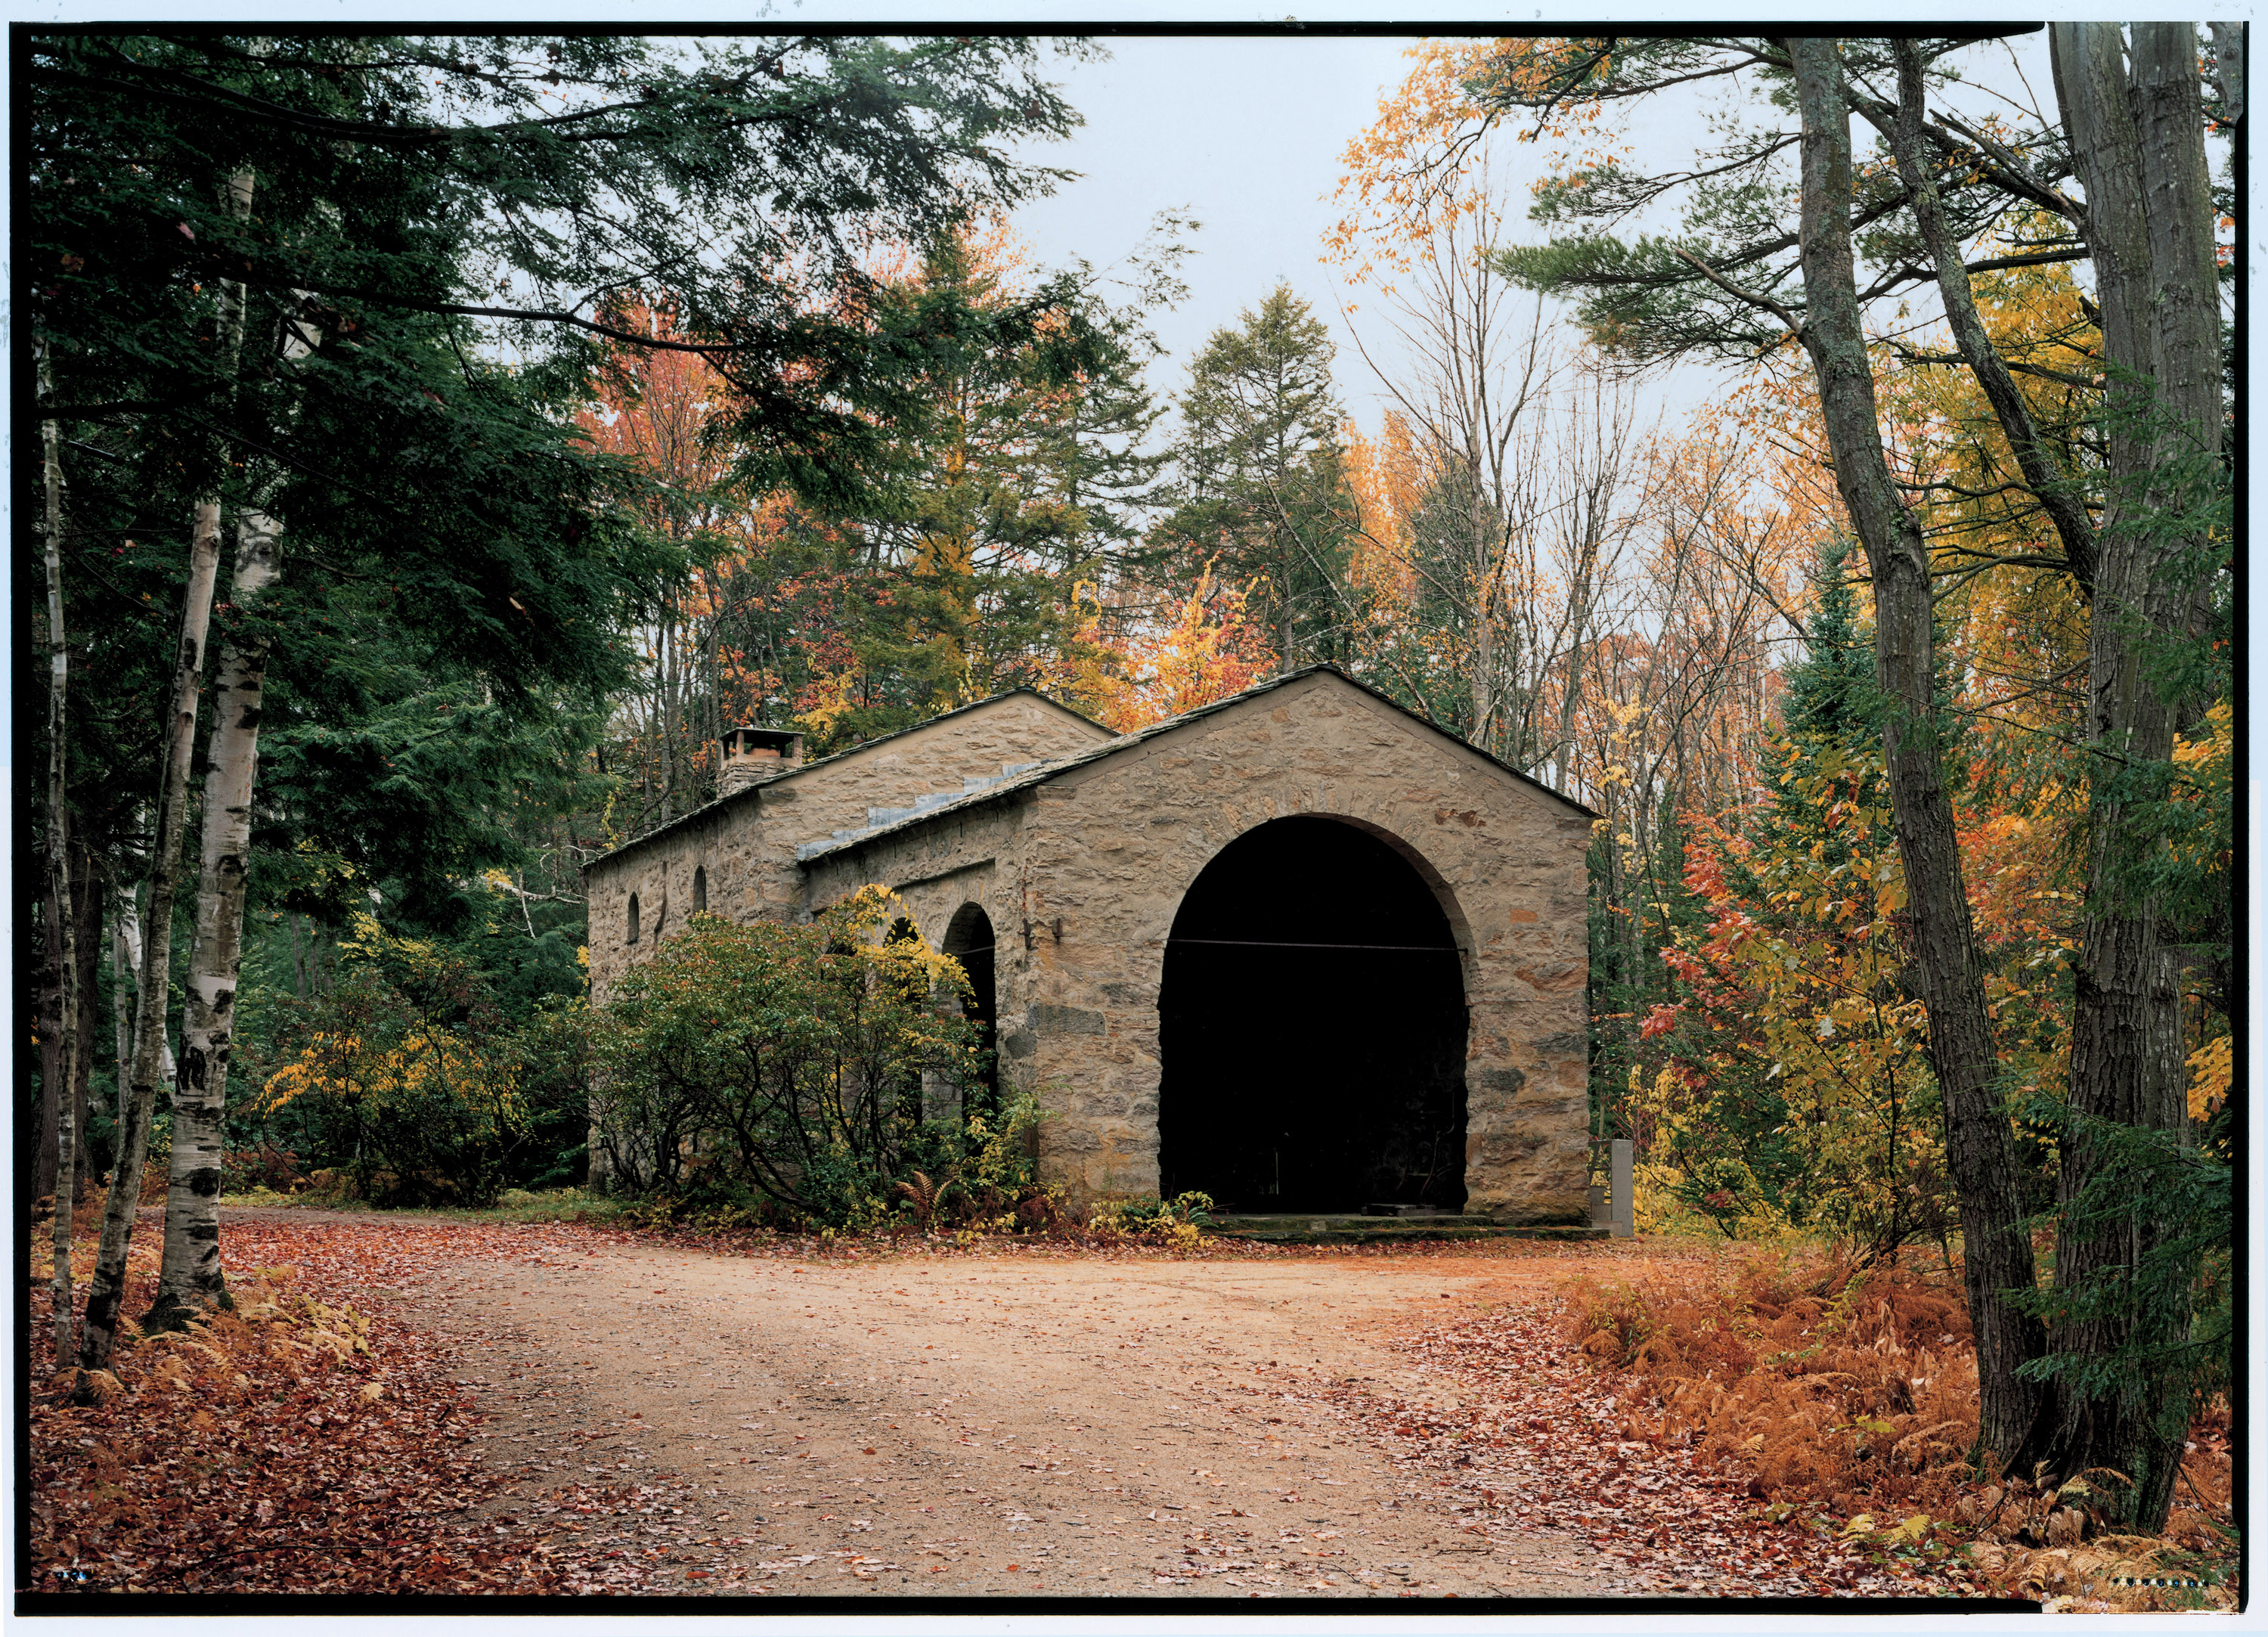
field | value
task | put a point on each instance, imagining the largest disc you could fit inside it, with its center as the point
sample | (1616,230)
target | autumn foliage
(293,1442)
(1209,648)
(1853,1392)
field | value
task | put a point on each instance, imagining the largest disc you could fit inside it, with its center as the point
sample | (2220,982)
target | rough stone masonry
(1077,846)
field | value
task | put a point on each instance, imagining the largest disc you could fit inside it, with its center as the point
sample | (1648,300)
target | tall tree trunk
(2139,142)
(40,1132)
(127,959)
(64,1092)
(1481,529)
(189,1277)
(1943,964)
(107,1289)
(2058,494)
(86,906)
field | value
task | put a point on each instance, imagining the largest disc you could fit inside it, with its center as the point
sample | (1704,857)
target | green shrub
(775,1072)
(407,1085)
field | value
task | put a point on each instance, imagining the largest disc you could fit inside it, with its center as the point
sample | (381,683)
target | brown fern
(926,1196)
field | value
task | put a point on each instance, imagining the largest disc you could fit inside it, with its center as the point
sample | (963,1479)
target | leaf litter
(1528,1438)
(314,1440)
(331,1444)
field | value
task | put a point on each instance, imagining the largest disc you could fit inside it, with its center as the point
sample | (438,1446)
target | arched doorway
(1312,1028)
(968,940)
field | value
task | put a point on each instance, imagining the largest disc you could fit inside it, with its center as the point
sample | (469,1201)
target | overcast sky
(1247,134)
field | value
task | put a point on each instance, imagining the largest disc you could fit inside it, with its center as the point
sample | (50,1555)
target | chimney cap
(753,738)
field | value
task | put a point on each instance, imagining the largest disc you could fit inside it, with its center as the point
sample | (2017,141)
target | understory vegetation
(443,440)
(1851,1390)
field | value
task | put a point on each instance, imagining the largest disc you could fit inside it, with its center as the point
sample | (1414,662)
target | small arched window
(699,888)
(633,920)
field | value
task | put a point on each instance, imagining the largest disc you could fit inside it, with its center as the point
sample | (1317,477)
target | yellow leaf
(2212,1071)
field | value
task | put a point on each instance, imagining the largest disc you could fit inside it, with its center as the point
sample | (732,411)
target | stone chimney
(753,753)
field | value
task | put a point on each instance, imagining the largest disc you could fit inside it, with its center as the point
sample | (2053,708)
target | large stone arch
(1312,1025)
(1110,849)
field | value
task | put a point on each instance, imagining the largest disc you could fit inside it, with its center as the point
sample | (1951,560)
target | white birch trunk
(126,963)
(189,1277)
(68,1043)
(107,1289)
(121,976)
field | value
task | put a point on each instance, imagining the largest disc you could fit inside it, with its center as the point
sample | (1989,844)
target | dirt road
(922,1425)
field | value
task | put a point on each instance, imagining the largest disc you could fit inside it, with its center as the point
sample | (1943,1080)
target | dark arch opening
(1312,1028)
(633,920)
(968,940)
(909,1081)
(699,888)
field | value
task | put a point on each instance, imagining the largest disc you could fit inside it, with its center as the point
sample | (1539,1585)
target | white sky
(1246,134)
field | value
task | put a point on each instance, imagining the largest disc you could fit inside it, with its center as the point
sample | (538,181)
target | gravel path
(926,1425)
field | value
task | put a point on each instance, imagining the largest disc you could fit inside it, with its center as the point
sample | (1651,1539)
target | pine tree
(201,206)
(1262,492)
(1003,485)
(1829,710)
(1828,690)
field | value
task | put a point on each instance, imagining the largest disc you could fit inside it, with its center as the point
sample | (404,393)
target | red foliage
(264,1450)
(1855,1393)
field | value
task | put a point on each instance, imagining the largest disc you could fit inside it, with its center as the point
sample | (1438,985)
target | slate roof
(812,851)
(709,809)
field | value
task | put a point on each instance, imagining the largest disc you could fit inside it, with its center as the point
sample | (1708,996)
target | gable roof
(812,851)
(709,809)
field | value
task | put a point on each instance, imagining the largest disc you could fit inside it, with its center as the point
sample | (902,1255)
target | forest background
(553,405)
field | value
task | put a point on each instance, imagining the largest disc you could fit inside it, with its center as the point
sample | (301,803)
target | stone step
(1310,1228)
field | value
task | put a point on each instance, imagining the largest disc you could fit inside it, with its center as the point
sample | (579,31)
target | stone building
(1299,949)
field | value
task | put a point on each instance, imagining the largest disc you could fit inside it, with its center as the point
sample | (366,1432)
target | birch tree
(190,1276)
(58,817)
(137,1100)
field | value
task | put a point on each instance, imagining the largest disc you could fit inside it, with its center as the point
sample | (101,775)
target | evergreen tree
(1828,690)
(1828,711)
(272,274)
(1261,489)
(994,498)
(1805,1094)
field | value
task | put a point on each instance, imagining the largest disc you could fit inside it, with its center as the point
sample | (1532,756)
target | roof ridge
(1051,768)
(709,807)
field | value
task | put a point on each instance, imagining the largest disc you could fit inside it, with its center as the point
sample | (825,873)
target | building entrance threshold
(1317,1228)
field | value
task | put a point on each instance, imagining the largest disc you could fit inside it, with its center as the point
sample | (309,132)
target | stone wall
(973,856)
(1085,873)
(1110,847)
(1081,876)
(745,844)
(938,756)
